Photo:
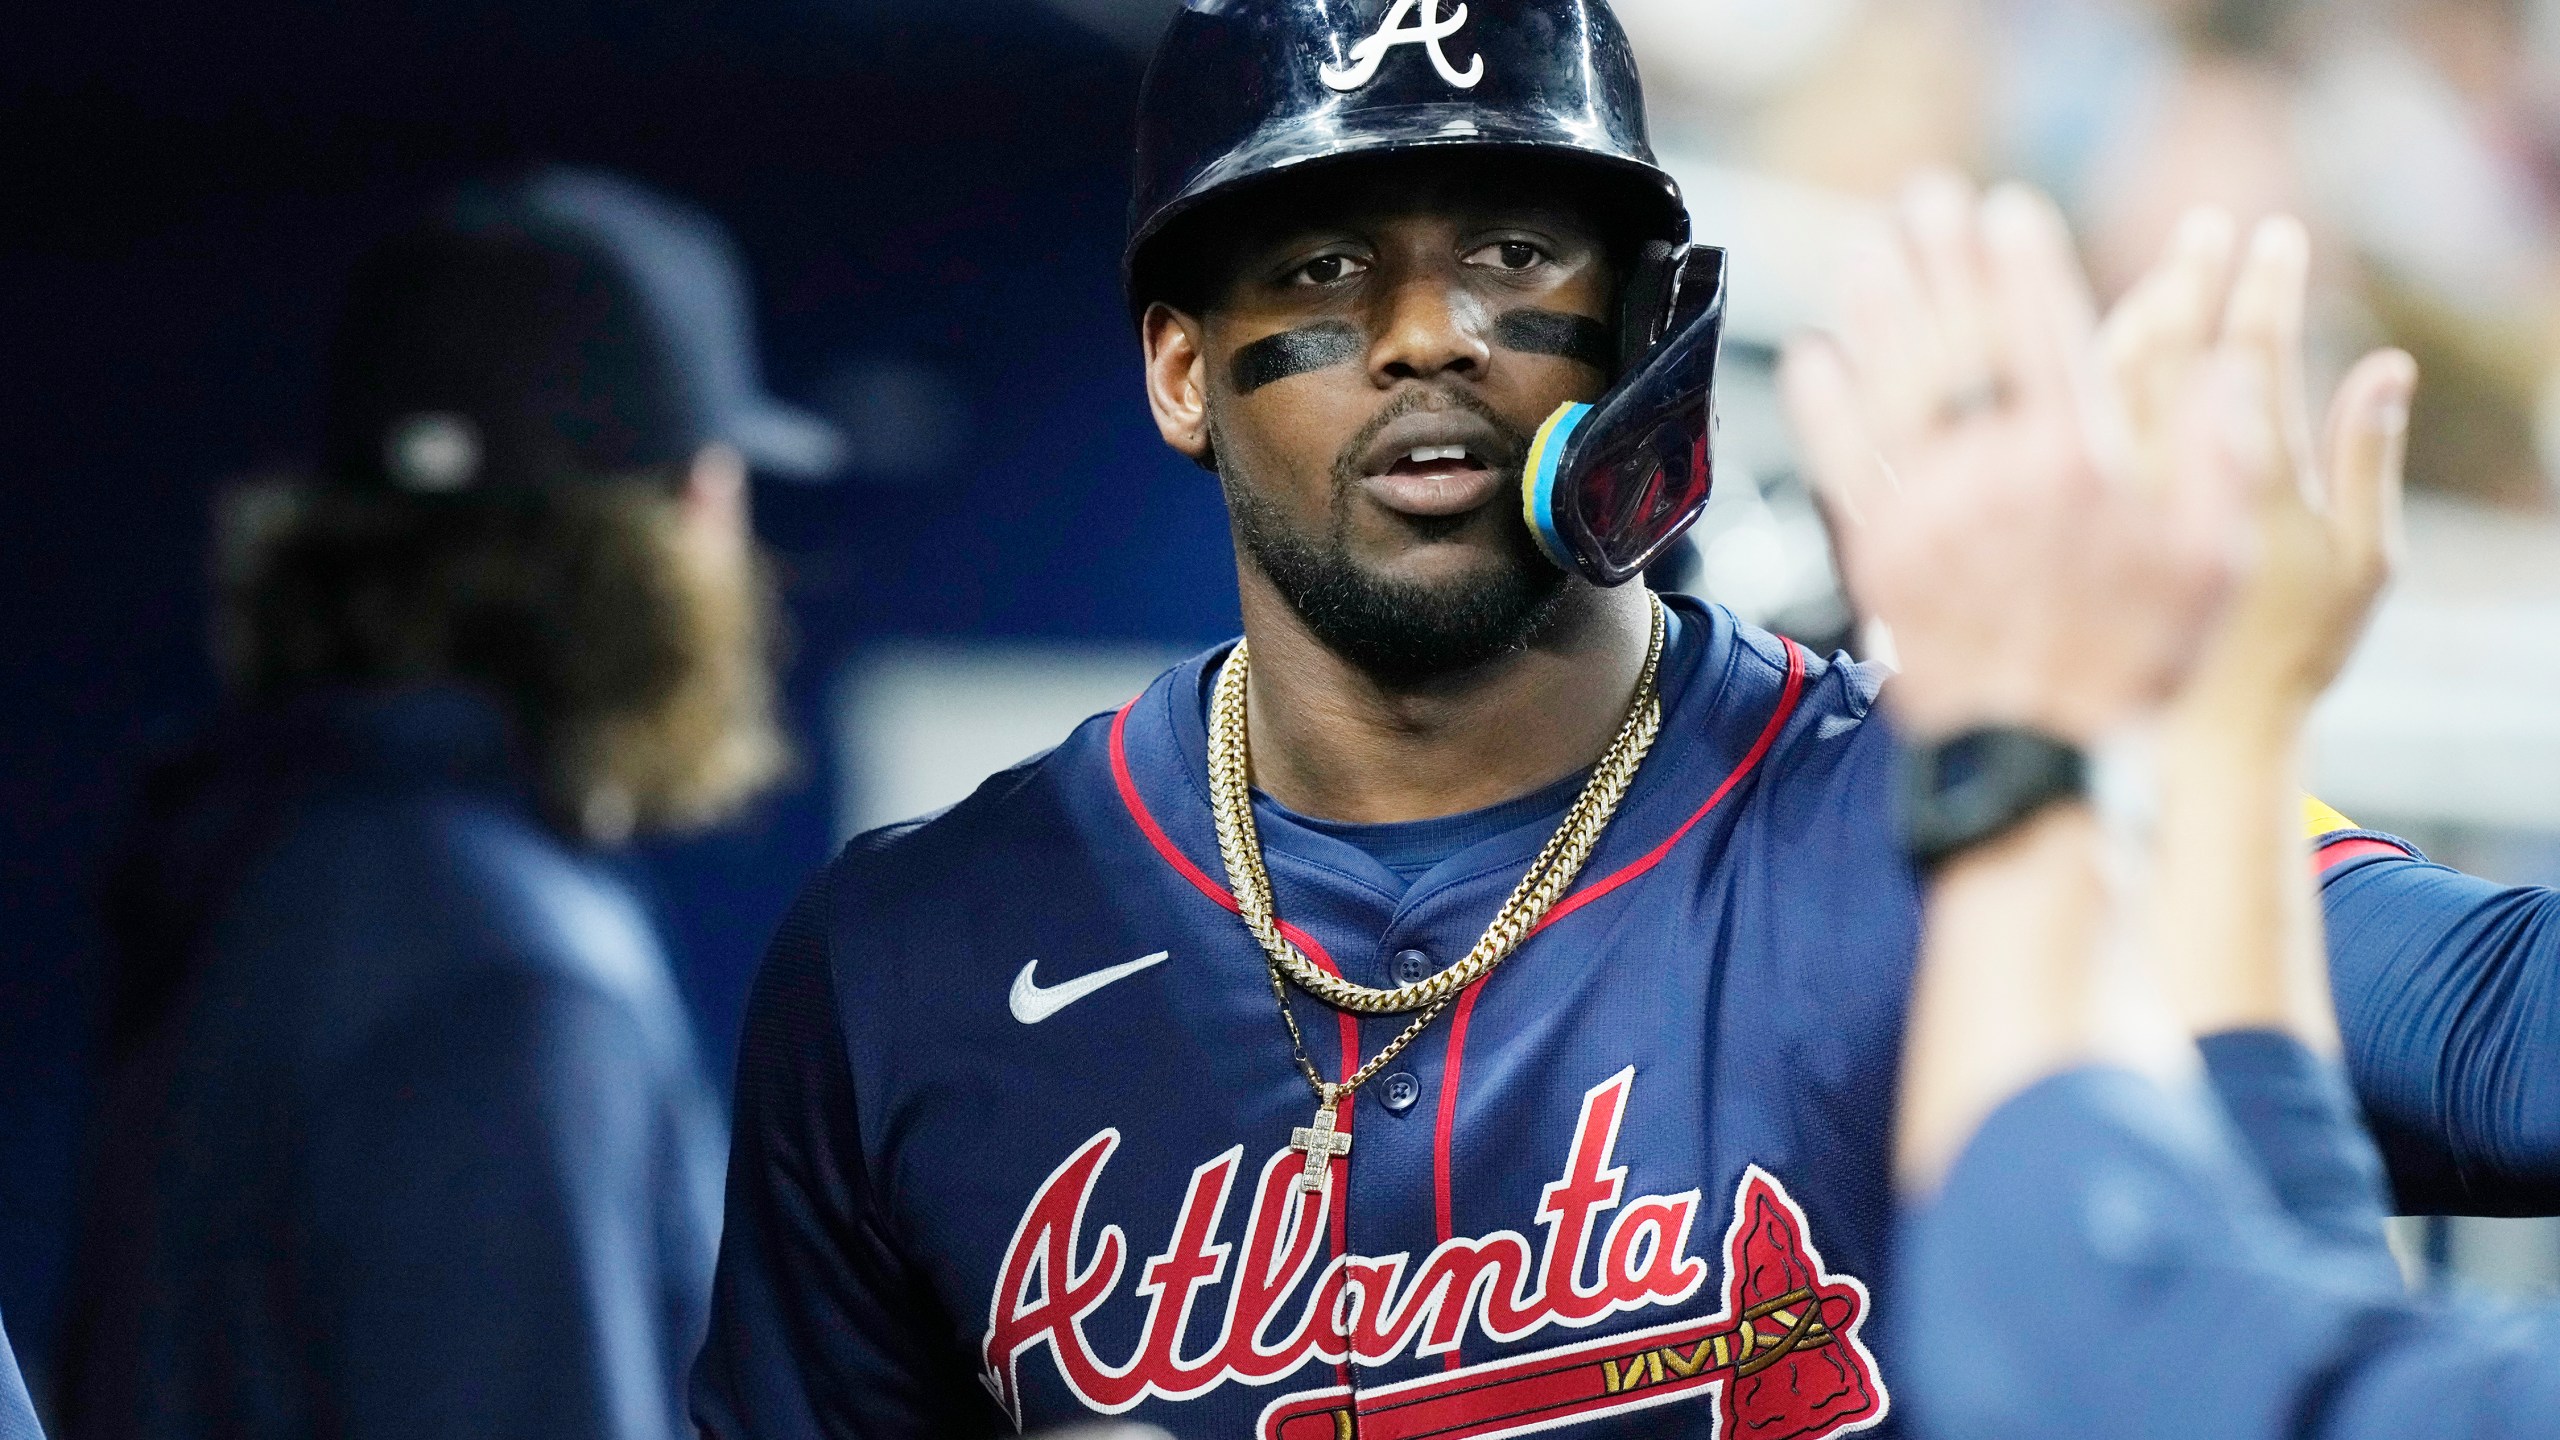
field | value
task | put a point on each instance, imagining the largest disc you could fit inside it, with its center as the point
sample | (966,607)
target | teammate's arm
(17,1413)
(2448,987)
(2448,991)
(819,1326)
(1985,510)
(2235,911)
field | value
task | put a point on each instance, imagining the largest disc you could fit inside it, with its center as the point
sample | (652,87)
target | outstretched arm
(2448,992)
(1988,506)
(17,1413)
(2447,988)
(2236,916)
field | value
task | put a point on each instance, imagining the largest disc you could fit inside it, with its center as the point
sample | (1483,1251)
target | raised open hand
(2211,373)
(2210,368)
(1982,488)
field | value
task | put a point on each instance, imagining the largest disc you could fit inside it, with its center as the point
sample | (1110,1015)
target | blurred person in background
(2394,127)
(405,1133)
(2089,1222)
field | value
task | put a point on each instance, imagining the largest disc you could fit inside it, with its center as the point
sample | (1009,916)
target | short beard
(1399,633)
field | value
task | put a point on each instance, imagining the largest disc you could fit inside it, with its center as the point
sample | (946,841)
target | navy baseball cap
(562,326)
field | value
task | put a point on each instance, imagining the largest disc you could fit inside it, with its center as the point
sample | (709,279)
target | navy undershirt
(1411,849)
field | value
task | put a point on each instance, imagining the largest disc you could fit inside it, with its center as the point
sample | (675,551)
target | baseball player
(1468,1005)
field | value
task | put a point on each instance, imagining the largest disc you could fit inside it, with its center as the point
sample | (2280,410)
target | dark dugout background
(936,189)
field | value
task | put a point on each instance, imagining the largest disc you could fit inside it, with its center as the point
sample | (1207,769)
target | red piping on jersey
(1768,736)
(1172,853)
(1226,900)
(1446,1126)
(2354,847)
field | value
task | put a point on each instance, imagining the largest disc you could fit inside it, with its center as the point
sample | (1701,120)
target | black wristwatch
(1976,786)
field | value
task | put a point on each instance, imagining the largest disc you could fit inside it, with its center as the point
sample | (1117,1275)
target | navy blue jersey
(1013,1136)
(2145,1280)
(2448,990)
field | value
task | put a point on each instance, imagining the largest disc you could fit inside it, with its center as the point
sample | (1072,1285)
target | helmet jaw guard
(1609,486)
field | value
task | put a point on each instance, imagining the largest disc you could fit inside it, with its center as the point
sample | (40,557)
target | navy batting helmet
(1241,90)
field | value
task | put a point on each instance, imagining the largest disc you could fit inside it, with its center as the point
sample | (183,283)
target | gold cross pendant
(1321,1142)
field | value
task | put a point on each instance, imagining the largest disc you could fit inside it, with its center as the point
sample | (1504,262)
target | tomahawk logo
(1783,1359)
(1783,1354)
(1426,29)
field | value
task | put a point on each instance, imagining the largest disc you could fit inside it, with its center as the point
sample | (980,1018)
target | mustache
(1347,469)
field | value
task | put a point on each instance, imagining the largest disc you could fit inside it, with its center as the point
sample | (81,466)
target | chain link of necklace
(1547,879)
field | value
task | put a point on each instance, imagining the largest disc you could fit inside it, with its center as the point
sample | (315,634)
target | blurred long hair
(639,674)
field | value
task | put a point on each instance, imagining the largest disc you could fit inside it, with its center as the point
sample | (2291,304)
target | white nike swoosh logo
(1033,1002)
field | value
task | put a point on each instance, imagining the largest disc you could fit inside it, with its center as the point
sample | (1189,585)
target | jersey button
(1412,967)
(1399,1091)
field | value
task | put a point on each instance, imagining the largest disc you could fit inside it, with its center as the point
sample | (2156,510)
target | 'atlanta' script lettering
(1361,1309)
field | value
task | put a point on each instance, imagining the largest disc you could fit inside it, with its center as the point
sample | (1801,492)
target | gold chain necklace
(1547,879)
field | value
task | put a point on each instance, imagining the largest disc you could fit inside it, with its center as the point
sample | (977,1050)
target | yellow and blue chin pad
(1607,487)
(1538,482)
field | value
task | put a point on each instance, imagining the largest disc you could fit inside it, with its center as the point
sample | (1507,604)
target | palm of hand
(2025,586)
(2026,579)
(2210,376)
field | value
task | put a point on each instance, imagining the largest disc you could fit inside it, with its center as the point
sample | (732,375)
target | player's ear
(1178,379)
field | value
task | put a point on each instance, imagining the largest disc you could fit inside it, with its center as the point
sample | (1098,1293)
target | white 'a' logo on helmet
(1426,30)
